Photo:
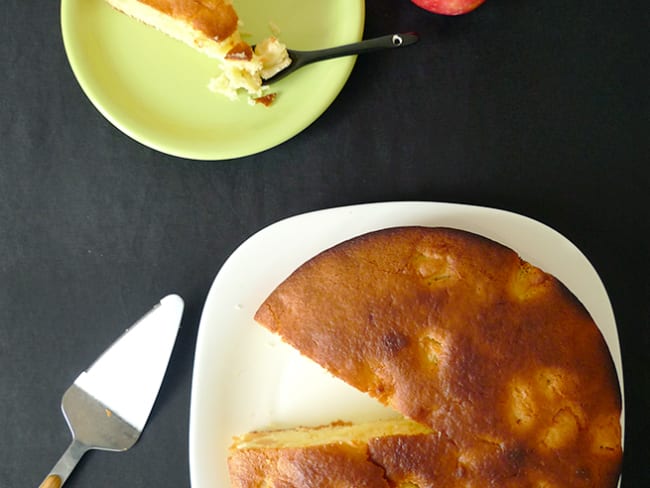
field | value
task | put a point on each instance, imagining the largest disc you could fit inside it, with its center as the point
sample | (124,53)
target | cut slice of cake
(458,333)
(212,28)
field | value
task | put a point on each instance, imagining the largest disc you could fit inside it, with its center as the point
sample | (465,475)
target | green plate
(154,88)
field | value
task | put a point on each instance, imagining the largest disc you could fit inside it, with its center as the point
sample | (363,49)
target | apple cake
(460,335)
(212,28)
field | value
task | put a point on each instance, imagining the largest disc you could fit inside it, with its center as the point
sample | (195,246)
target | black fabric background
(540,108)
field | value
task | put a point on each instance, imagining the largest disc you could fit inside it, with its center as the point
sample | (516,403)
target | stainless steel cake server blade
(108,405)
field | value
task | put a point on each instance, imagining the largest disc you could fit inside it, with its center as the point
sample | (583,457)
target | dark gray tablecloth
(540,108)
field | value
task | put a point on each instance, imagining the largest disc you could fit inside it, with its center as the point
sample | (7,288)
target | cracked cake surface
(460,334)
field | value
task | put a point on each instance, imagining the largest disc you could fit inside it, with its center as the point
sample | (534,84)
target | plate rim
(215,154)
(608,320)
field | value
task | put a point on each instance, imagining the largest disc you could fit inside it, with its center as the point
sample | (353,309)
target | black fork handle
(390,41)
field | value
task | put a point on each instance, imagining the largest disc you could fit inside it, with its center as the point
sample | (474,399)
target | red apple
(448,7)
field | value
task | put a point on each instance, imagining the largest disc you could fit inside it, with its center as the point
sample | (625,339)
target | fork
(303,58)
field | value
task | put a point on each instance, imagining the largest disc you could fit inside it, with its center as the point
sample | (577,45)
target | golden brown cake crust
(216,19)
(457,332)
(328,466)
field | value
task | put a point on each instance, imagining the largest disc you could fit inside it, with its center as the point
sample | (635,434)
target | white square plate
(245,378)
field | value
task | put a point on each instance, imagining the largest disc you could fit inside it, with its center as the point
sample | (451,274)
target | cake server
(108,405)
(303,58)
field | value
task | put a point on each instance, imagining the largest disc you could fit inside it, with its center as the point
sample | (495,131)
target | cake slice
(212,28)
(460,334)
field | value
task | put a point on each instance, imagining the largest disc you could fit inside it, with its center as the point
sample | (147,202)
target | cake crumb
(266,100)
(275,29)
